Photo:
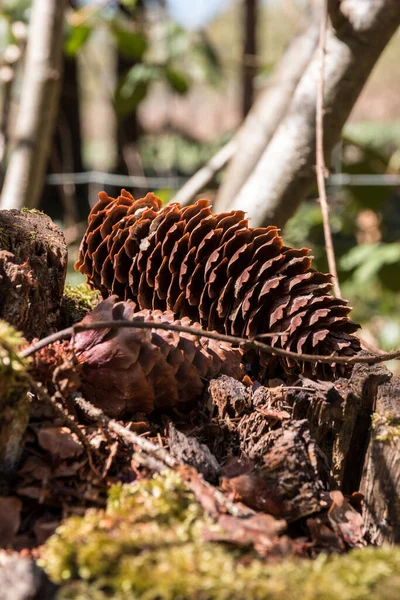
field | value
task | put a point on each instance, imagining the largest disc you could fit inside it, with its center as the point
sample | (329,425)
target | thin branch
(320,166)
(244,343)
(154,456)
(147,447)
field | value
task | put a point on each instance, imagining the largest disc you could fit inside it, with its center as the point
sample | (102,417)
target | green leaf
(129,3)
(177,80)
(133,87)
(77,37)
(131,44)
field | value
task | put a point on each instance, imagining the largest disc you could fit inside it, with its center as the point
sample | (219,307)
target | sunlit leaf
(131,44)
(133,87)
(77,37)
(177,80)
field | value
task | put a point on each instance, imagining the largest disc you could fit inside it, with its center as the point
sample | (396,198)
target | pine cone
(219,272)
(125,370)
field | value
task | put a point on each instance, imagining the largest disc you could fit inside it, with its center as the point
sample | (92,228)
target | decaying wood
(380,481)
(14,418)
(33,262)
(341,416)
(190,451)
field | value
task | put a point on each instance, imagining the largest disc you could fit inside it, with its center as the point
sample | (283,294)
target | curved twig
(235,340)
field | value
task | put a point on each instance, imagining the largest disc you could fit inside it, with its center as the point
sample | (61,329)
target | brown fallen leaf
(10,519)
(346,521)
(255,492)
(60,442)
(35,468)
(323,536)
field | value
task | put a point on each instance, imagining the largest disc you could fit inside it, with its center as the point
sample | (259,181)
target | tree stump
(356,422)
(33,262)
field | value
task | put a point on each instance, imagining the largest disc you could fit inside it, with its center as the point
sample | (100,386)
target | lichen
(148,545)
(386,427)
(76,302)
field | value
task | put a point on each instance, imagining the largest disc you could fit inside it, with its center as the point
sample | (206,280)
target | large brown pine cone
(218,271)
(125,370)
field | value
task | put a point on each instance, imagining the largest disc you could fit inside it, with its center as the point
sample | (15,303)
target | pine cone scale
(217,271)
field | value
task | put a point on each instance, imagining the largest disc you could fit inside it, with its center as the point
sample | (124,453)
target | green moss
(12,365)
(148,545)
(32,235)
(33,211)
(76,302)
(386,427)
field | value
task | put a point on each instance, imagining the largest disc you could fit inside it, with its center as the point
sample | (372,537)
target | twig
(320,165)
(147,447)
(71,331)
(244,343)
(155,456)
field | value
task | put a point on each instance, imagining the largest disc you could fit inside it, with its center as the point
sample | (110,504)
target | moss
(76,302)
(148,545)
(12,365)
(386,427)
(33,211)
(32,235)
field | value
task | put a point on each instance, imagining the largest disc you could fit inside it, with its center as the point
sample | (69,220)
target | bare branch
(285,172)
(155,456)
(266,114)
(320,166)
(37,111)
(244,343)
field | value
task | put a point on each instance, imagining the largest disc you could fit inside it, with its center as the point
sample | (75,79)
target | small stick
(242,342)
(153,456)
(320,166)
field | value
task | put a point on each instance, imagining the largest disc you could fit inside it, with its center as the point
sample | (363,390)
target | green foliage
(77,36)
(177,80)
(387,429)
(368,267)
(370,262)
(131,44)
(133,87)
(148,545)
(12,366)
(76,302)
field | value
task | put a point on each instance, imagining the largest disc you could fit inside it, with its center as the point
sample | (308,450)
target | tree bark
(266,114)
(249,54)
(38,108)
(33,264)
(355,422)
(380,483)
(286,170)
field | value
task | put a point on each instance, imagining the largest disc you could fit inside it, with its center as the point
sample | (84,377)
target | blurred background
(153,89)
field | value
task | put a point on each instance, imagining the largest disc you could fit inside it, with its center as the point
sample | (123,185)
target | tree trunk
(38,108)
(266,114)
(359,32)
(249,54)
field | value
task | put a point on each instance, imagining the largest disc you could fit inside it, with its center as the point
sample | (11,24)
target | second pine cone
(218,271)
